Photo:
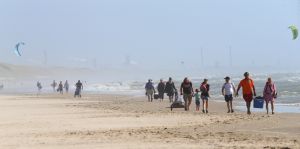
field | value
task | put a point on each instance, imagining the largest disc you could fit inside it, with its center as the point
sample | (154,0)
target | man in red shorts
(248,90)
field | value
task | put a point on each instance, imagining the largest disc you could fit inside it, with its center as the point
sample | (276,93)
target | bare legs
(204,106)
(272,106)
(171,99)
(229,107)
(150,97)
(248,104)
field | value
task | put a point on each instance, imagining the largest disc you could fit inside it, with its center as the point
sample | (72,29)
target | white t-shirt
(228,88)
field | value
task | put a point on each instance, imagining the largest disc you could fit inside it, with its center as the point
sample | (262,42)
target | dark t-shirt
(187,87)
(161,87)
(170,88)
(78,85)
(204,90)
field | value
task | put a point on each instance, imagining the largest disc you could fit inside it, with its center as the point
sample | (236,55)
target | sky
(150,34)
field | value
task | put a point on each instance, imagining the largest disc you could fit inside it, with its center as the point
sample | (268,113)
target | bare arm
(237,91)
(234,91)
(181,90)
(254,92)
(223,88)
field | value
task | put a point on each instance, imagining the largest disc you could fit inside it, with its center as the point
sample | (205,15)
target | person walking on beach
(204,88)
(161,89)
(39,86)
(60,87)
(53,85)
(150,90)
(186,89)
(197,100)
(79,88)
(228,90)
(270,94)
(248,90)
(66,86)
(170,89)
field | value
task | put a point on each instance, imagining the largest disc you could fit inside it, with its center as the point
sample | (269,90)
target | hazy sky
(153,32)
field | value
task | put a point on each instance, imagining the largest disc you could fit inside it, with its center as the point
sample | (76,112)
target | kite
(294,31)
(17,48)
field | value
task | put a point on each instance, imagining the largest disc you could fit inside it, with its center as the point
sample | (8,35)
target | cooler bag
(156,96)
(258,102)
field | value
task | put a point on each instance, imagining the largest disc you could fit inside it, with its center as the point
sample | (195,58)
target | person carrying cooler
(161,89)
(228,91)
(270,94)
(187,91)
(197,99)
(149,87)
(204,88)
(248,90)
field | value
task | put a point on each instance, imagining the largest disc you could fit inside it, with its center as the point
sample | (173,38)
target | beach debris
(17,48)
(294,31)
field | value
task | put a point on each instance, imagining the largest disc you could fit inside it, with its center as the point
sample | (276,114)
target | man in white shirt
(228,90)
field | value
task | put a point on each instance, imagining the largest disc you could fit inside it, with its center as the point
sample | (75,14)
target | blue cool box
(258,102)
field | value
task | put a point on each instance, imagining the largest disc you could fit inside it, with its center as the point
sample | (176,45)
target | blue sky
(154,33)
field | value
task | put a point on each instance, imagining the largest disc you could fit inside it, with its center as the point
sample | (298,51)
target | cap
(227,78)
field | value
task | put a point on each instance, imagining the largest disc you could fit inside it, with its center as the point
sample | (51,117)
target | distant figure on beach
(1,86)
(150,90)
(270,93)
(161,89)
(197,99)
(170,89)
(248,90)
(66,86)
(228,90)
(53,85)
(60,88)
(204,88)
(79,88)
(186,89)
(39,86)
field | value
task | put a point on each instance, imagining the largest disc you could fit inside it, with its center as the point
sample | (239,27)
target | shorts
(170,94)
(204,97)
(228,98)
(248,97)
(187,98)
(149,92)
(197,102)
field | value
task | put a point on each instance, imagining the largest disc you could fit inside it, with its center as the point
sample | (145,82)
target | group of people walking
(61,87)
(228,90)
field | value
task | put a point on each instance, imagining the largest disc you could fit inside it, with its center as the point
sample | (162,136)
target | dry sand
(111,121)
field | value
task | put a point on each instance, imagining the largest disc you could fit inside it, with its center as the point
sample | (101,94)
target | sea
(288,87)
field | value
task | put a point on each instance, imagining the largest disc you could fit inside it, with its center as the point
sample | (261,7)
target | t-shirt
(247,85)
(187,87)
(161,87)
(78,85)
(149,86)
(204,88)
(228,87)
(197,97)
(170,87)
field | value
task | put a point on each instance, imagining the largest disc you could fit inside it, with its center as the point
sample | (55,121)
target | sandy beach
(112,121)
